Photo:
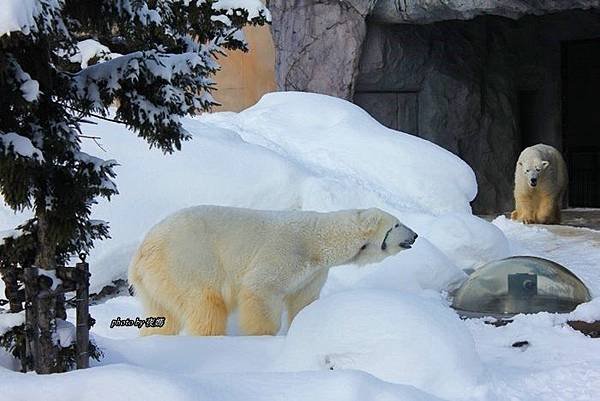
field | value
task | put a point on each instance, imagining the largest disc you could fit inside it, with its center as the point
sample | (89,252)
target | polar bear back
(224,243)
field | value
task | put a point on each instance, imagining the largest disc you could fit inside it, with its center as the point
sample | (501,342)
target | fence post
(83,327)
(47,355)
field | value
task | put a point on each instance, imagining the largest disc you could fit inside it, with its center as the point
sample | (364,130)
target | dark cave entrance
(581,120)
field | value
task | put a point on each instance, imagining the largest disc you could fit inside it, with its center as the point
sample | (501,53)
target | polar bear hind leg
(152,308)
(206,313)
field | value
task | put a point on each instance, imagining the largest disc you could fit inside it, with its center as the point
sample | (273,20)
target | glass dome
(519,284)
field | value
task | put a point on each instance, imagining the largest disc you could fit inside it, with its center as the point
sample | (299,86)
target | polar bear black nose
(534,182)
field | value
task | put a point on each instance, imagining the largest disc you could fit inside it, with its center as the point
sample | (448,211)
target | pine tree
(64,61)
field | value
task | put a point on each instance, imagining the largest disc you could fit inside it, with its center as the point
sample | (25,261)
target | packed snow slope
(380,332)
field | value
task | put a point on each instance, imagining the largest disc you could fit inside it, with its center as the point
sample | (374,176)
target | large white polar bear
(540,184)
(201,263)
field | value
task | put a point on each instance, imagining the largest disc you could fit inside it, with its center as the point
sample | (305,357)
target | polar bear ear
(545,164)
(369,220)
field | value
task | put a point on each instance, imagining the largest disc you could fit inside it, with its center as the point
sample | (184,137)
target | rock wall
(426,11)
(318,44)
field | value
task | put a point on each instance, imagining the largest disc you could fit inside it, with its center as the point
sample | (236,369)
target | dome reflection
(520,284)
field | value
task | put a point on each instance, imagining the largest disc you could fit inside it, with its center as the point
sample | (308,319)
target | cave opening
(487,87)
(581,120)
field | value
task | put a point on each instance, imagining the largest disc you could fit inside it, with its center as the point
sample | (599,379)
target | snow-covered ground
(381,332)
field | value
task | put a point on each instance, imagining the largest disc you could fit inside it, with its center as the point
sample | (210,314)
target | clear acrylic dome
(520,284)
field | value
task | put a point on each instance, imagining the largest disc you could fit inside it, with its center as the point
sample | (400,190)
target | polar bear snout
(401,235)
(408,243)
(533,182)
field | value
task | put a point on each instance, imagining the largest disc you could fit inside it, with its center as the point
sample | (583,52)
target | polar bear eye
(538,169)
(397,225)
(363,247)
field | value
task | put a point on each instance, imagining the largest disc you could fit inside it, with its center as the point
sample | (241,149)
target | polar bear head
(533,169)
(384,236)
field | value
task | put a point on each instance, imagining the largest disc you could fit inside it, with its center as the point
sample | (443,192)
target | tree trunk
(47,352)
(47,357)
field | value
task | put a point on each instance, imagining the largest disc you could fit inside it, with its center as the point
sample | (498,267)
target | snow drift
(397,338)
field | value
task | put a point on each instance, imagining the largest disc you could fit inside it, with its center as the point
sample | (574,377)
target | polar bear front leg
(524,210)
(548,211)
(260,312)
(298,300)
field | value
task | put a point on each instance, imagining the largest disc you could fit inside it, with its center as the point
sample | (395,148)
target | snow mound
(137,383)
(467,240)
(423,267)
(340,140)
(396,337)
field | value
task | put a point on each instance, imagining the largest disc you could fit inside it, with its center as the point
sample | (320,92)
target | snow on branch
(30,16)
(20,145)
(255,8)
(91,49)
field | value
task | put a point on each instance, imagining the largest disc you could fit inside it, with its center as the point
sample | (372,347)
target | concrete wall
(245,77)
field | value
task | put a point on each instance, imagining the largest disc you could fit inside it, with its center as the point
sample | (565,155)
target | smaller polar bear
(540,185)
(198,265)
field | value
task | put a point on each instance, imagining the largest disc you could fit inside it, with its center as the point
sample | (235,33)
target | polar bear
(201,263)
(540,184)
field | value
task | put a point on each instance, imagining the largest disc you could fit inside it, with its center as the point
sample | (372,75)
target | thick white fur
(540,203)
(201,263)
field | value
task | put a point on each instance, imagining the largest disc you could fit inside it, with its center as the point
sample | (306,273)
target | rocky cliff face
(318,44)
(426,11)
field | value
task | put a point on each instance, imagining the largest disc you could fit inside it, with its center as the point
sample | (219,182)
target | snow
(391,335)
(9,320)
(51,274)
(89,49)
(472,242)
(20,15)
(221,18)
(578,249)
(65,332)
(254,7)
(13,234)
(136,383)
(588,312)
(30,88)
(425,267)
(386,329)
(20,145)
